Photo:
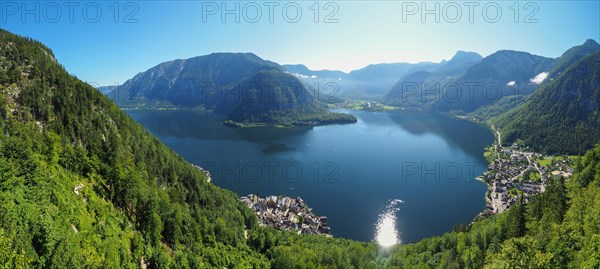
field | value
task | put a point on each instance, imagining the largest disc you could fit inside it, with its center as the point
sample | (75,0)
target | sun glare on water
(387,234)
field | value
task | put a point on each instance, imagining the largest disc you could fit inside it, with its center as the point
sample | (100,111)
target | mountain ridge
(223,83)
(573,55)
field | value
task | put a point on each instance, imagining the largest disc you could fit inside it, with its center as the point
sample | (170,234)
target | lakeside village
(514,171)
(281,212)
(286,214)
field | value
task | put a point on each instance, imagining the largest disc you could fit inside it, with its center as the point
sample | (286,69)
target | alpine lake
(393,176)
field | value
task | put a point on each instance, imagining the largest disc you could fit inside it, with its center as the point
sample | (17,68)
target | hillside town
(515,171)
(286,214)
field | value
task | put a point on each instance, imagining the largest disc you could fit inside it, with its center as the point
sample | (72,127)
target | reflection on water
(345,172)
(386,232)
(275,148)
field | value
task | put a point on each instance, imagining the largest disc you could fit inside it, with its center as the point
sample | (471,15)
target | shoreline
(515,171)
(343,119)
(495,197)
(327,118)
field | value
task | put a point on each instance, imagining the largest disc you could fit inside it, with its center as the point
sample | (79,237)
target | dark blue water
(346,172)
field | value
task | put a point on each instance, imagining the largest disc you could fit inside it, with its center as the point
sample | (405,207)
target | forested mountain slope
(563,116)
(573,55)
(84,185)
(241,86)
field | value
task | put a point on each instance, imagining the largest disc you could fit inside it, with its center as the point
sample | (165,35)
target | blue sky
(111,47)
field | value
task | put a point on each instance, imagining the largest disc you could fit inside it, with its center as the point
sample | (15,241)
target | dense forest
(83,185)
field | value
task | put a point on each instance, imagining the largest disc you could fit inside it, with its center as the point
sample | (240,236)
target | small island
(286,214)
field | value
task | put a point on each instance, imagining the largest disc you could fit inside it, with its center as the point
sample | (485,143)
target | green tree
(515,219)
(555,200)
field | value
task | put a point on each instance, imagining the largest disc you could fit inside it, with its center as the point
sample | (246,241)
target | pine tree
(516,219)
(555,200)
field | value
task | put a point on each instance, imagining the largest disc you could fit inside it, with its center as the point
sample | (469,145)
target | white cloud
(301,75)
(297,75)
(511,83)
(539,78)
